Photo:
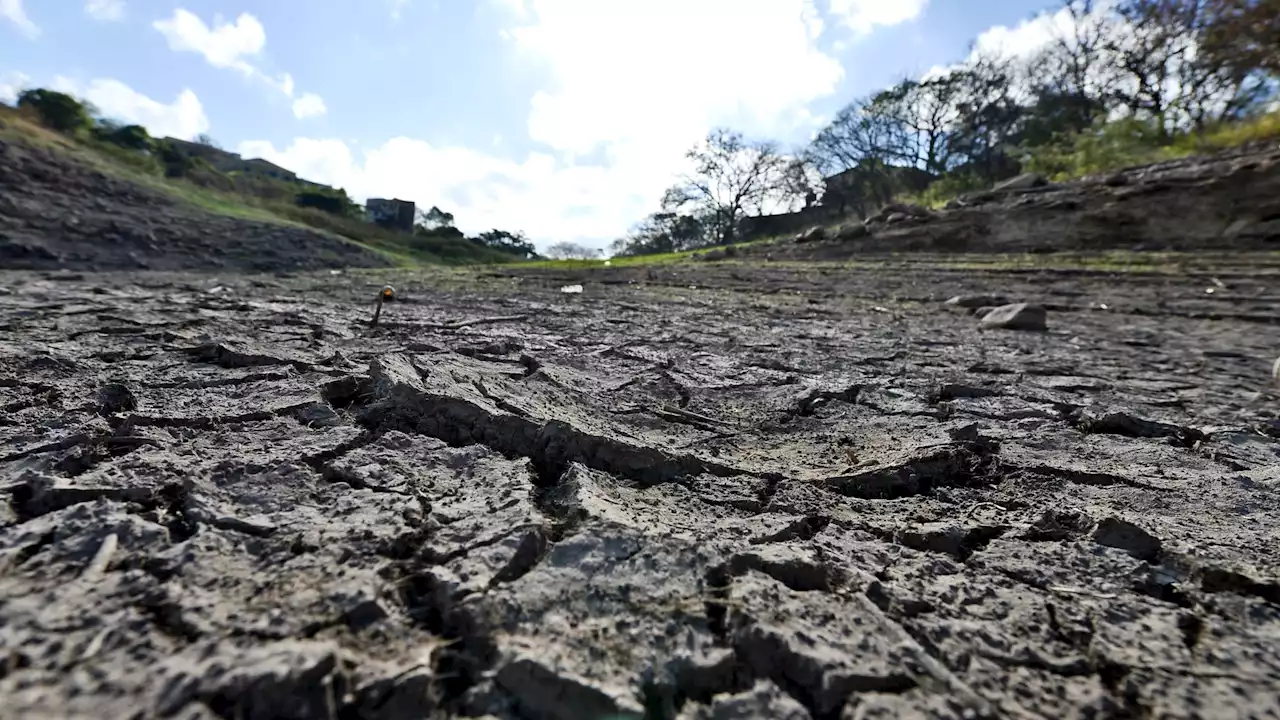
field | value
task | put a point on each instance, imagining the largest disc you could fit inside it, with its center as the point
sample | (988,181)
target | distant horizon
(556,118)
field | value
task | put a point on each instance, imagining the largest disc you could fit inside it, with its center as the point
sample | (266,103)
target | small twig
(387,293)
(1082,591)
(974,508)
(477,321)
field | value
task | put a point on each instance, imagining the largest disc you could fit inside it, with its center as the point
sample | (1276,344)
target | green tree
(507,242)
(131,137)
(56,110)
(434,219)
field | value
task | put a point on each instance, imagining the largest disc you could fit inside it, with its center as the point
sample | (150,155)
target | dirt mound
(57,212)
(1229,201)
(789,492)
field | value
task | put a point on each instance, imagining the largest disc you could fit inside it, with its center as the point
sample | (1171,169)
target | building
(394,214)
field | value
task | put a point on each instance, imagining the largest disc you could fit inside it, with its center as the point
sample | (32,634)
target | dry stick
(377,311)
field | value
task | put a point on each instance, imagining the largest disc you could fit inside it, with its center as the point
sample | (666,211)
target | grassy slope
(1114,149)
(399,249)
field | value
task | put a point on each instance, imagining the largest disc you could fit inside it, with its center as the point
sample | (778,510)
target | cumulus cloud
(864,16)
(609,95)
(183,118)
(12,83)
(225,45)
(105,10)
(1019,42)
(548,198)
(233,46)
(12,11)
(610,85)
(309,105)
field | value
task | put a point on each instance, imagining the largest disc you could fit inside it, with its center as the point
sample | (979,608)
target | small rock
(318,415)
(1123,535)
(763,700)
(1026,181)
(976,301)
(1019,316)
(1235,228)
(852,232)
(1116,180)
(116,397)
(1057,525)
(813,234)
(1275,373)
(896,218)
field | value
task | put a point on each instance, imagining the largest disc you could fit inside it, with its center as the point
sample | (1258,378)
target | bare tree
(571,251)
(732,177)
(864,131)
(1243,35)
(1073,80)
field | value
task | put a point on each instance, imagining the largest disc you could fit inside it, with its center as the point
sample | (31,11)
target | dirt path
(695,491)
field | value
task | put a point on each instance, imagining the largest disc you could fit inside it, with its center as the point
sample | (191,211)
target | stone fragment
(116,397)
(1026,181)
(1124,535)
(813,234)
(1019,316)
(763,700)
(972,302)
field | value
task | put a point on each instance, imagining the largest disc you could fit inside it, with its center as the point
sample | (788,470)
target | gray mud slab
(693,491)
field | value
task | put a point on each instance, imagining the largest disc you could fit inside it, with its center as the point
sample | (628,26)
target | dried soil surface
(697,491)
(58,212)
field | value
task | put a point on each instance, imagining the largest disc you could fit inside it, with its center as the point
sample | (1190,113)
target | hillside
(1224,201)
(72,203)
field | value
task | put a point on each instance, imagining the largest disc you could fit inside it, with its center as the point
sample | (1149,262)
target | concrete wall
(396,214)
(753,228)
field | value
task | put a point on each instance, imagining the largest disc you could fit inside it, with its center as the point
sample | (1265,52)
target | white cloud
(183,118)
(864,16)
(225,45)
(105,10)
(309,105)
(234,46)
(283,83)
(12,83)
(549,199)
(12,11)
(397,7)
(1019,43)
(611,93)
(1025,39)
(610,84)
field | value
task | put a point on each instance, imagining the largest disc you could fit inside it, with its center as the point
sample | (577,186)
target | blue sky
(562,118)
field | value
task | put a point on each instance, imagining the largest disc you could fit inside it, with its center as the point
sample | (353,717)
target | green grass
(1128,143)
(400,249)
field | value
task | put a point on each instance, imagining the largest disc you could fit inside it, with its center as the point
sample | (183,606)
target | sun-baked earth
(694,491)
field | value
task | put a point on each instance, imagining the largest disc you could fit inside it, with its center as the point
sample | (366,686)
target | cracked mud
(695,491)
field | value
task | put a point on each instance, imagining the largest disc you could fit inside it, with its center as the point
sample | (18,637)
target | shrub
(176,163)
(1104,146)
(56,111)
(130,137)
